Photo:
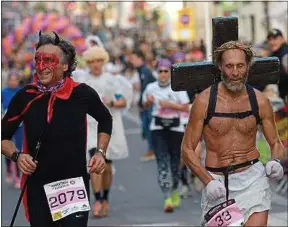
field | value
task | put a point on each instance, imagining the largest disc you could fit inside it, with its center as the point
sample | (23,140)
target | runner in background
(7,94)
(116,93)
(146,77)
(167,131)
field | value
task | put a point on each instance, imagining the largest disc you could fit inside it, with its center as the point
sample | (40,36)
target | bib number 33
(66,197)
(223,217)
(225,214)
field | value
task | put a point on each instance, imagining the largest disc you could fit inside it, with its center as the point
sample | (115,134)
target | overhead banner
(186,25)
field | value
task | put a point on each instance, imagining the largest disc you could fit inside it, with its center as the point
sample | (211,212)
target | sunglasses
(163,71)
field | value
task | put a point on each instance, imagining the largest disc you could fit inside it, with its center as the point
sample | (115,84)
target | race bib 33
(227,213)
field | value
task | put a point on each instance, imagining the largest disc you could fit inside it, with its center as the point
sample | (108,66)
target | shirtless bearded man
(228,114)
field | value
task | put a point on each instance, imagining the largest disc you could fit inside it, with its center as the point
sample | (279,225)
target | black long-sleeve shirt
(63,150)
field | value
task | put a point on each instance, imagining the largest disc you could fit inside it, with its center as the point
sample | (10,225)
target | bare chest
(232,116)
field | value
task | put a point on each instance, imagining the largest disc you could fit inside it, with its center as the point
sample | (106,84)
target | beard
(234,87)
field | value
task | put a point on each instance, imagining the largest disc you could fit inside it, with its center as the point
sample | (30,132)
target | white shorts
(250,189)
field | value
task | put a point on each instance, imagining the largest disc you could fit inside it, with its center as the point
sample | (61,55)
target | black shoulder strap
(253,103)
(212,103)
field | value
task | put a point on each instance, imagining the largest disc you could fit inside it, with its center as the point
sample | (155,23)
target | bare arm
(269,128)
(103,140)
(8,148)
(192,138)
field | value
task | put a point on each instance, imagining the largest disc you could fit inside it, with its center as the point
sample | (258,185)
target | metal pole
(184,4)
(38,145)
(267,16)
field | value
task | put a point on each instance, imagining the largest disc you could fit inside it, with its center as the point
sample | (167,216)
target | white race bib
(66,197)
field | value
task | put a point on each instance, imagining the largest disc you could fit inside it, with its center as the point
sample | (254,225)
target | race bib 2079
(66,197)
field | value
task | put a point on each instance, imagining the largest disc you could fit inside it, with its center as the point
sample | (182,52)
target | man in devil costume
(53,109)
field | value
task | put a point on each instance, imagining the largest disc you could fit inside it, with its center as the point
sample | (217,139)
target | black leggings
(167,150)
(79,219)
(39,211)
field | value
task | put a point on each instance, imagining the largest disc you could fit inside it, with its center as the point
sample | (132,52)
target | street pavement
(135,197)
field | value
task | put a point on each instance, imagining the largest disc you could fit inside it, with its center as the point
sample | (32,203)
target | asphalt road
(135,198)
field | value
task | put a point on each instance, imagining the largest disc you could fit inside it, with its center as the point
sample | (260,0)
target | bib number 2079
(64,197)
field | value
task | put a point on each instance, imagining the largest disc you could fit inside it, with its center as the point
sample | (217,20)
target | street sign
(186,25)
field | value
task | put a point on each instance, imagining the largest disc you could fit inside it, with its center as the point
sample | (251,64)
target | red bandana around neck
(64,92)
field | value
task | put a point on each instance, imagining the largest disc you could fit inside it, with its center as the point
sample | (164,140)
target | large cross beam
(198,76)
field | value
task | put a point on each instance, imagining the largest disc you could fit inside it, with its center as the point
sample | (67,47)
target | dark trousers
(146,117)
(167,148)
(39,211)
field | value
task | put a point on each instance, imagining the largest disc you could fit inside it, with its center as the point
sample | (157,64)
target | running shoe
(168,205)
(148,156)
(97,209)
(105,208)
(184,192)
(176,200)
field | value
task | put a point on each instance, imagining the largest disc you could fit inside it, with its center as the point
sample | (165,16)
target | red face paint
(46,61)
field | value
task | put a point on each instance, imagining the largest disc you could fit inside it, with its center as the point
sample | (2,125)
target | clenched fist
(274,170)
(97,163)
(215,190)
(26,164)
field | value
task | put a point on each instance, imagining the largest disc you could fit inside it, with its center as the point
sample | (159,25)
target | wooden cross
(200,75)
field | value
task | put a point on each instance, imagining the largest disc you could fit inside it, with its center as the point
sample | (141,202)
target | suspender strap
(239,115)
(253,103)
(212,103)
(226,170)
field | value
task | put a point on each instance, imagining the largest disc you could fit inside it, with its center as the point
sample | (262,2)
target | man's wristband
(15,155)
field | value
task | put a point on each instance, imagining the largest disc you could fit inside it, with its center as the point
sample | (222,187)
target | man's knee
(108,168)
(257,219)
